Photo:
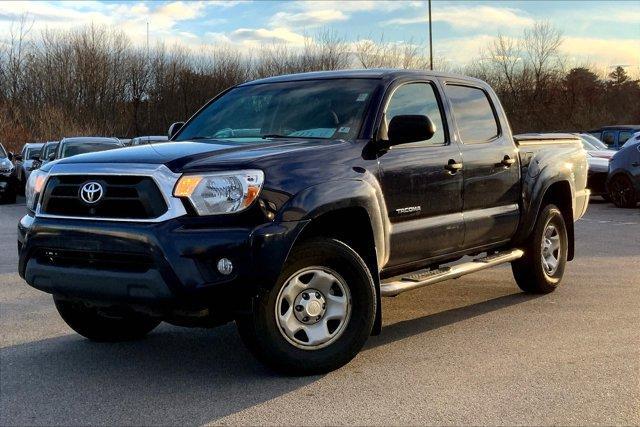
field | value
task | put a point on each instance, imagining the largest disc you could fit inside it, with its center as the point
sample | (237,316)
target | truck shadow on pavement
(175,376)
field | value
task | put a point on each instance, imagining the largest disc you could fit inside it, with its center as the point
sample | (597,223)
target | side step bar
(396,286)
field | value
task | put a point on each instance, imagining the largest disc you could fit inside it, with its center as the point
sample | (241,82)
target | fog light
(225,266)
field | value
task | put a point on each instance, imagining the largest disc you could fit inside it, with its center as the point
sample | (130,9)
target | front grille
(113,261)
(125,197)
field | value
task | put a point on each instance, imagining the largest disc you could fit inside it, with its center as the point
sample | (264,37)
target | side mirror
(410,128)
(17,158)
(174,128)
(52,156)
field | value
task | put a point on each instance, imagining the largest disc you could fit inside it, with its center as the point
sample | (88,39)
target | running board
(417,280)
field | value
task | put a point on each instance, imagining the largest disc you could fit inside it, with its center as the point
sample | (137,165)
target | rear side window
(473,113)
(417,99)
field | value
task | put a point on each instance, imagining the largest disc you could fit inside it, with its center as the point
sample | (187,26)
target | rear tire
(621,192)
(541,268)
(318,315)
(96,326)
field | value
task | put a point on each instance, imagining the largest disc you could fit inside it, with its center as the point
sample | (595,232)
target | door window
(417,99)
(609,138)
(473,113)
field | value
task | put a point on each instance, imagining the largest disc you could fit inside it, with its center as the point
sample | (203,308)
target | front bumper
(168,263)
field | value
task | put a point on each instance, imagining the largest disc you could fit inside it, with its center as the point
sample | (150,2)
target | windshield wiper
(275,135)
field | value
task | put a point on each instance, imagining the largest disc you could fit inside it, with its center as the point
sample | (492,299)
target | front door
(423,198)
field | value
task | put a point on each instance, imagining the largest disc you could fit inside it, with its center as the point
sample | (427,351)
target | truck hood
(185,155)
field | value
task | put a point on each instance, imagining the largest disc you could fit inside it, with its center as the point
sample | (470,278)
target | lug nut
(305,319)
(299,308)
(318,295)
(305,296)
(318,318)
(324,305)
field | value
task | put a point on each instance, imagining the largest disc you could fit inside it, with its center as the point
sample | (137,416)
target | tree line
(94,81)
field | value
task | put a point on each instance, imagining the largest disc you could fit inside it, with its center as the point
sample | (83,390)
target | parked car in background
(85,144)
(595,147)
(598,157)
(623,183)
(8,187)
(46,154)
(141,140)
(24,163)
(125,141)
(615,136)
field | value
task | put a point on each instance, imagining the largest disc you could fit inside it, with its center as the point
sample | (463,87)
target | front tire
(318,315)
(541,268)
(97,326)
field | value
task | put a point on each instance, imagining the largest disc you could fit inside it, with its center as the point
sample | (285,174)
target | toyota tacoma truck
(292,204)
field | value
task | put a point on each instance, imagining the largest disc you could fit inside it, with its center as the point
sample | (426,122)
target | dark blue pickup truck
(292,204)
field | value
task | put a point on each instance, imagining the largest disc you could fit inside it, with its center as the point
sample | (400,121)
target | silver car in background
(24,163)
(85,144)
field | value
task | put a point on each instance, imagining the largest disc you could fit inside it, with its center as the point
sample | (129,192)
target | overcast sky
(598,32)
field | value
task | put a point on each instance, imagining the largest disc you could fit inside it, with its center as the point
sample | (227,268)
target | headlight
(32,191)
(220,192)
(6,166)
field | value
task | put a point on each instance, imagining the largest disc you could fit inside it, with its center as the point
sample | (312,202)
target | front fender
(365,193)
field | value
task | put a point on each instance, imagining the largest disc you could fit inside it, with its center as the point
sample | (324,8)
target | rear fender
(559,177)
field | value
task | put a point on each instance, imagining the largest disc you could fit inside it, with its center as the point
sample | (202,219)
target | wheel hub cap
(310,306)
(550,249)
(313,308)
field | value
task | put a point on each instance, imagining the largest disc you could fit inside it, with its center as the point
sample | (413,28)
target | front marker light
(220,192)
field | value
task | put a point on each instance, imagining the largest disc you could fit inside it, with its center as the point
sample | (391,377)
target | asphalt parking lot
(470,351)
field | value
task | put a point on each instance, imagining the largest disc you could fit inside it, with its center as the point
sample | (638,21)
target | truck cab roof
(369,73)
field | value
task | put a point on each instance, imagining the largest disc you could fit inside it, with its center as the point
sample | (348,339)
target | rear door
(423,198)
(491,192)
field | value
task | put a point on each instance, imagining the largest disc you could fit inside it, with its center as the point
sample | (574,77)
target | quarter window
(473,113)
(417,99)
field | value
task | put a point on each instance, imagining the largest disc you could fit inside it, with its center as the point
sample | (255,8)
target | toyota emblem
(91,192)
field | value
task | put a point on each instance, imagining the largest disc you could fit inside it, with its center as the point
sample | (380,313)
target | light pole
(430,40)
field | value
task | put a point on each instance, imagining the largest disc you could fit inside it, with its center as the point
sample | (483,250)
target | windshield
(322,109)
(587,146)
(32,153)
(74,148)
(593,141)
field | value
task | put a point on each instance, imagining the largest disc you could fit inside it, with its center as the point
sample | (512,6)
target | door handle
(453,167)
(507,161)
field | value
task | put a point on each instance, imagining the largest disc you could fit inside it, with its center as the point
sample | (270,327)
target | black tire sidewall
(268,342)
(552,216)
(529,271)
(89,323)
